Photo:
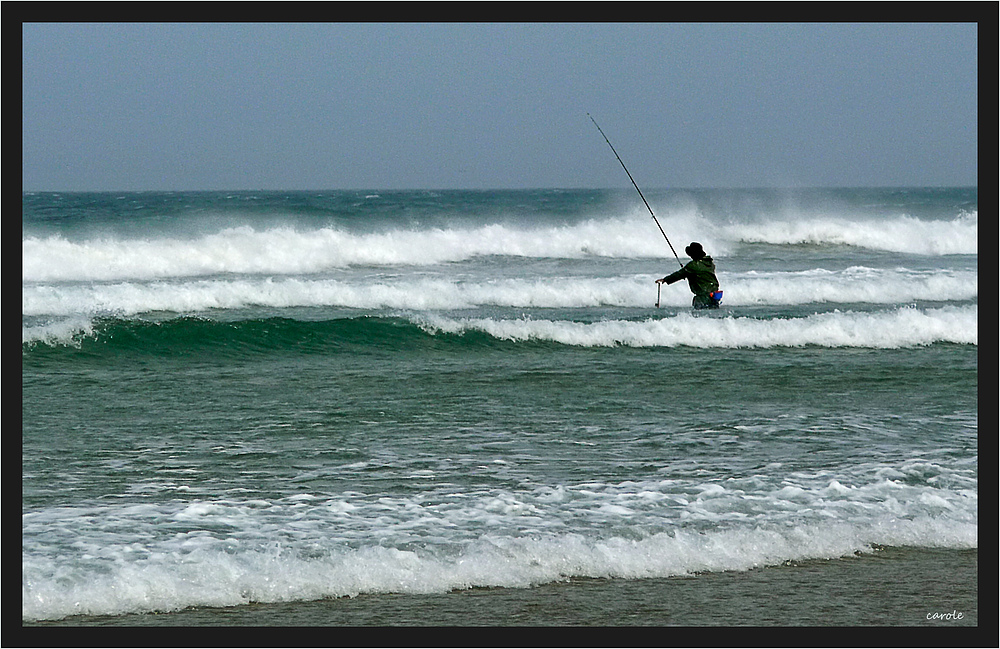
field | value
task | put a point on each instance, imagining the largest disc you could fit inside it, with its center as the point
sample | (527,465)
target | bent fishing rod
(640,196)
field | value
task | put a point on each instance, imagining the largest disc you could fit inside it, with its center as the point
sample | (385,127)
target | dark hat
(694,250)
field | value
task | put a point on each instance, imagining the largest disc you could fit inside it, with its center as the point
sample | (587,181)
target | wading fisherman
(700,274)
(700,271)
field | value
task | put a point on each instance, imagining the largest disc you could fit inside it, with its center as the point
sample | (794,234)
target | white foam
(137,558)
(853,285)
(856,284)
(61,331)
(903,234)
(286,250)
(901,327)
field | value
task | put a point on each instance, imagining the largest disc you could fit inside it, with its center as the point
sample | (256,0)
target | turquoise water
(263,397)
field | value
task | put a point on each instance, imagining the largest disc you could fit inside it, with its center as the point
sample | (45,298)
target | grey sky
(394,106)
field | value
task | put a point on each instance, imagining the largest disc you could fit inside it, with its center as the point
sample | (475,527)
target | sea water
(254,397)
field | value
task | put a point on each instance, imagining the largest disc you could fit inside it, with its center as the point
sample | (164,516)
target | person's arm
(675,276)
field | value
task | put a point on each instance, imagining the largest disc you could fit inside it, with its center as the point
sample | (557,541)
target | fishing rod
(643,200)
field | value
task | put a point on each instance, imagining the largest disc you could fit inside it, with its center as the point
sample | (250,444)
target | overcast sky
(481,106)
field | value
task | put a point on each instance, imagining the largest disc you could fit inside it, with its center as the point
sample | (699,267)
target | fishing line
(640,195)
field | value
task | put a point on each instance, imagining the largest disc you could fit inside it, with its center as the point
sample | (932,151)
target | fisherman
(700,274)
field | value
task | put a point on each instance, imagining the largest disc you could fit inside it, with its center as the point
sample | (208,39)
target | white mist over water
(902,234)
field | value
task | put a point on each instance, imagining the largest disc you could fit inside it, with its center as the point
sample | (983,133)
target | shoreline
(925,587)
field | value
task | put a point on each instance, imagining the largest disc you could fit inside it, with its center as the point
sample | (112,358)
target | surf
(289,250)
(856,284)
(893,328)
(229,552)
(900,234)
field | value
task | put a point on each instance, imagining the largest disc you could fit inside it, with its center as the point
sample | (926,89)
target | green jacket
(700,274)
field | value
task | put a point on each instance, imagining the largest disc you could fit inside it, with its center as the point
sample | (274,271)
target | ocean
(462,408)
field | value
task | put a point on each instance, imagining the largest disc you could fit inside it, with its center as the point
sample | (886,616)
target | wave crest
(889,329)
(286,250)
